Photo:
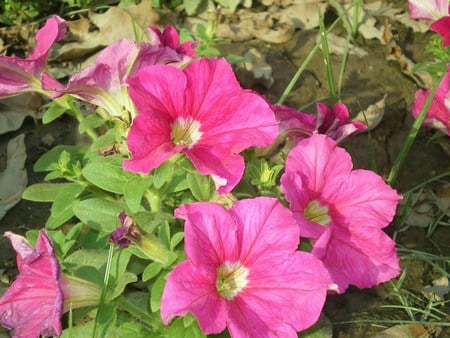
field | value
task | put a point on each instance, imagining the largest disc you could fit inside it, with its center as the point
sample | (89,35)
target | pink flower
(20,75)
(442,27)
(438,114)
(428,9)
(32,306)
(169,37)
(243,271)
(200,111)
(104,82)
(332,122)
(342,211)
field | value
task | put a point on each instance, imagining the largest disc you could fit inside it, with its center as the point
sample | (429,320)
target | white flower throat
(231,279)
(186,132)
(317,213)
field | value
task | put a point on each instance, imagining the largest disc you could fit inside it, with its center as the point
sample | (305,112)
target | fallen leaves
(14,179)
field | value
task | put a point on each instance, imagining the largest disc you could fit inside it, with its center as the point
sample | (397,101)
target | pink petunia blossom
(200,111)
(104,82)
(442,27)
(438,114)
(332,122)
(21,75)
(169,38)
(428,9)
(343,211)
(34,303)
(243,271)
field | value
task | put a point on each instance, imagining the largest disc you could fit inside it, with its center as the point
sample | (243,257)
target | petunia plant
(197,207)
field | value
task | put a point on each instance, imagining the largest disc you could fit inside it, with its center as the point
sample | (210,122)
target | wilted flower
(334,122)
(104,82)
(243,271)
(32,306)
(201,111)
(169,38)
(342,211)
(130,232)
(438,114)
(21,75)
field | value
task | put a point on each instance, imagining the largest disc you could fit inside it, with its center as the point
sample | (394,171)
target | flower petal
(428,9)
(364,257)
(264,223)
(33,304)
(210,235)
(364,199)
(190,290)
(320,164)
(300,280)
(442,27)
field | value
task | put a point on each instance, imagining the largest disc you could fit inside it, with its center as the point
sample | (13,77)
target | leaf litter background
(275,37)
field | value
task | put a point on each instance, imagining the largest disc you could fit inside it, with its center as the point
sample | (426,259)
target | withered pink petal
(33,304)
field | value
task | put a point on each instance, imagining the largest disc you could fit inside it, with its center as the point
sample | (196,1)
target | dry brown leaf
(257,67)
(409,331)
(373,114)
(303,13)
(13,180)
(14,109)
(438,290)
(116,23)
(338,45)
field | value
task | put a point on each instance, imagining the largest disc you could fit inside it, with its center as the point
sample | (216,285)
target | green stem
(104,289)
(137,313)
(326,56)
(410,138)
(153,199)
(303,66)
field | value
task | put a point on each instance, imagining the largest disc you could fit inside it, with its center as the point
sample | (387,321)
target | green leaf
(163,174)
(124,279)
(85,257)
(164,234)
(54,110)
(50,160)
(91,121)
(106,175)
(156,293)
(202,187)
(110,137)
(151,271)
(100,214)
(43,192)
(62,207)
(191,6)
(176,238)
(134,189)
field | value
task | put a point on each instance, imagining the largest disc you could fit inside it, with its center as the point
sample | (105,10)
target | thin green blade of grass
(326,56)
(104,289)
(410,137)
(303,66)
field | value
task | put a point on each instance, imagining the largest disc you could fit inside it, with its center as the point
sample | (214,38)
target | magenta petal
(438,114)
(149,143)
(264,222)
(226,169)
(442,27)
(33,304)
(191,290)
(319,162)
(363,199)
(53,30)
(364,257)
(210,234)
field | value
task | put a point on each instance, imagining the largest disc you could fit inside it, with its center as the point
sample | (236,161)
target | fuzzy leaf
(100,214)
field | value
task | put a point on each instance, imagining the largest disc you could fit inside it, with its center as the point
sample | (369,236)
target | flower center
(317,213)
(231,279)
(186,132)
